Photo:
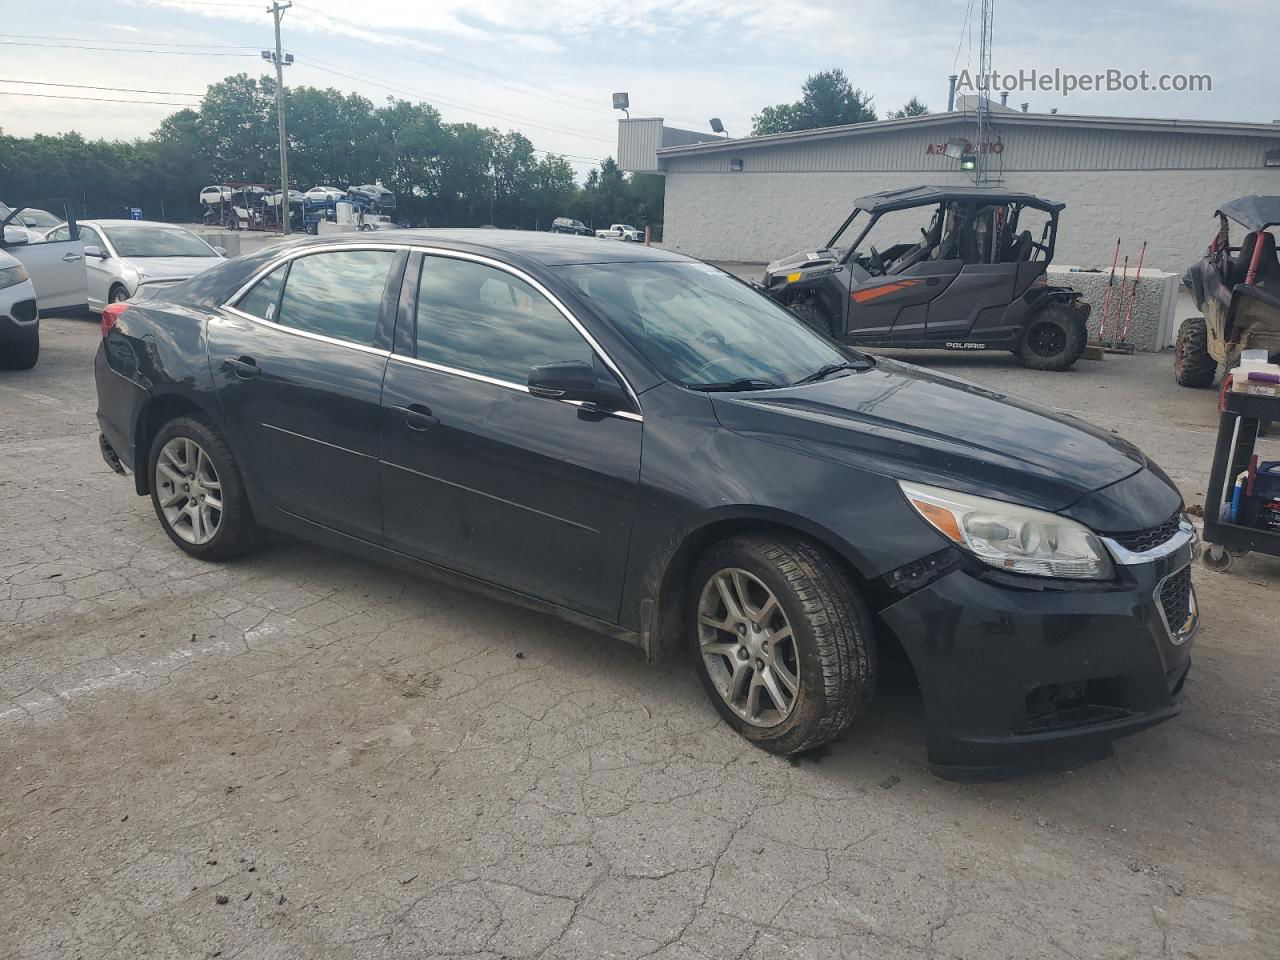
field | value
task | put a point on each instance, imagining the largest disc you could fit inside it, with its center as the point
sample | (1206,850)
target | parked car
(968,275)
(19,316)
(567,225)
(34,221)
(123,257)
(643,444)
(621,231)
(325,193)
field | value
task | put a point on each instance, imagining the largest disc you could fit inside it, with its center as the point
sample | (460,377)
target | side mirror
(93,250)
(15,236)
(576,381)
(220,251)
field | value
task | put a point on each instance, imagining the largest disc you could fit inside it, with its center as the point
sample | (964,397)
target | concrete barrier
(1153,324)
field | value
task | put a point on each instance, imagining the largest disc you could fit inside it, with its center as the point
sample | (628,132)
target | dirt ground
(307,755)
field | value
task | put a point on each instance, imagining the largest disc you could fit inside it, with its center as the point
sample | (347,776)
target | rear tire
(812,314)
(1192,365)
(21,354)
(798,627)
(235,531)
(1053,339)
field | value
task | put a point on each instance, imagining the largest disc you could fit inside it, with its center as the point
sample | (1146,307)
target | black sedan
(639,442)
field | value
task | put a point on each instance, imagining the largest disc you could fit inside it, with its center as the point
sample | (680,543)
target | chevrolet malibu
(639,442)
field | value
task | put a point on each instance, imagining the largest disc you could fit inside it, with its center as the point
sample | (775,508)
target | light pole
(281,61)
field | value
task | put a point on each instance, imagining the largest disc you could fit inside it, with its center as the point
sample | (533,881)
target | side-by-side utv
(973,280)
(1238,291)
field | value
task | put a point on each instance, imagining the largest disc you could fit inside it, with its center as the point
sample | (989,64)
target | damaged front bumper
(1019,675)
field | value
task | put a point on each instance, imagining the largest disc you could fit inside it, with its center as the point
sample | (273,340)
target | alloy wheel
(748,648)
(189,491)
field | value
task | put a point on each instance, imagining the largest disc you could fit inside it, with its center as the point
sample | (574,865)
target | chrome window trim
(1185,536)
(294,253)
(508,384)
(272,325)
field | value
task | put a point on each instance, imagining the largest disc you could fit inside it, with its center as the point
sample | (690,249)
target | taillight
(110,314)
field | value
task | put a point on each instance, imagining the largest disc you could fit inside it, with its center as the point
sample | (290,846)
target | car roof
(906,197)
(543,249)
(1253,212)
(132,223)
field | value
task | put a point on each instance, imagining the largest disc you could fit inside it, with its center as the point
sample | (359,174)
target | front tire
(1192,365)
(198,493)
(118,294)
(1053,339)
(781,640)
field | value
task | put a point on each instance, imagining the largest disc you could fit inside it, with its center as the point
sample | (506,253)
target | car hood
(905,422)
(803,260)
(170,268)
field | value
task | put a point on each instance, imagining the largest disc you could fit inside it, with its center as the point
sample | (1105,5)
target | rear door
(56,265)
(298,362)
(977,287)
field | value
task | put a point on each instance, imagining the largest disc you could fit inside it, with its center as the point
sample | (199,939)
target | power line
(325,67)
(132,43)
(85,86)
(64,96)
(68,46)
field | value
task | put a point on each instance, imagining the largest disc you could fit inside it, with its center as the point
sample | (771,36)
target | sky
(548,67)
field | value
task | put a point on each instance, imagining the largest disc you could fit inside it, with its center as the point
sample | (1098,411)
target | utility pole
(277,10)
(984,94)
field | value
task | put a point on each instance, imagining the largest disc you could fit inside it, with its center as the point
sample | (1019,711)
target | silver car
(123,256)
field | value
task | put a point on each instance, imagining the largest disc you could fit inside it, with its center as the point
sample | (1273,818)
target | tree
(827,100)
(912,108)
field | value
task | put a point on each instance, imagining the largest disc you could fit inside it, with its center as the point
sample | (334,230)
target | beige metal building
(758,198)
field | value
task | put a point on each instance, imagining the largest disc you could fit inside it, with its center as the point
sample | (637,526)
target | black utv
(974,279)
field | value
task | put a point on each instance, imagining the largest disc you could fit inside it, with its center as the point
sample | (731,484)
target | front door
(896,306)
(480,476)
(56,265)
(298,364)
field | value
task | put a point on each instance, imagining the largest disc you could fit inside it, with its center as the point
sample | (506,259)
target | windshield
(146,241)
(700,327)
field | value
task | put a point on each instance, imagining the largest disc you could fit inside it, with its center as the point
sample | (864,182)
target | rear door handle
(417,417)
(246,368)
(71,258)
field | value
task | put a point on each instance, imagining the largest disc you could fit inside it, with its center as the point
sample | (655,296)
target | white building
(758,198)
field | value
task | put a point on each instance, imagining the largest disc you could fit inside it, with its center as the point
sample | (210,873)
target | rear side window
(336,294)
(263,300)
(483,320)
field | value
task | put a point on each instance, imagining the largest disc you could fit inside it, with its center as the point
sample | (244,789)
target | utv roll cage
(1258,249)
(967,220)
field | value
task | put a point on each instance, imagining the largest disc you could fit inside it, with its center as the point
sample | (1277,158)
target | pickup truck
(621,231)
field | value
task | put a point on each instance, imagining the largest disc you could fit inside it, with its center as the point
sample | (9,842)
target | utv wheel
(1192,365)
(21,354)
(812,314)
(1053,339)
(198,493)
(782,641)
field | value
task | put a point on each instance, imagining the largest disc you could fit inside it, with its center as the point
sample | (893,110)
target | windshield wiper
(747,383)
(866,363)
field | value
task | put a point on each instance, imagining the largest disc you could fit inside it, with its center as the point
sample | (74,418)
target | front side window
(264,299)
(483,320)
(336,294)
(144,240)
(89,236)
(699,327)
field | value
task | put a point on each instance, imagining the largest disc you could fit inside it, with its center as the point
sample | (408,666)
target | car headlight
(11,275)
(1010,537)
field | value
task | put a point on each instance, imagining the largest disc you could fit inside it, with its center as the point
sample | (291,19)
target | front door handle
(71,258)
(417,417)
(932,281)
(246,368)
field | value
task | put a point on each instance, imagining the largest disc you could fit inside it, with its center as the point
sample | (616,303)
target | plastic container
(1266,379)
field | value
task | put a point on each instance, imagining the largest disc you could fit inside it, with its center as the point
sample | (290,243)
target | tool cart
(1242,508)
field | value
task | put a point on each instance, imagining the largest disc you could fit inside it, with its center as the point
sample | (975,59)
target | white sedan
(19,317)
(123,256)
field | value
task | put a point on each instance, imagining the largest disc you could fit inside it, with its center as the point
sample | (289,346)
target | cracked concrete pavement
(306,755)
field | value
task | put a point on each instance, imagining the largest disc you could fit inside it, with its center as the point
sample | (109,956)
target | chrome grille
(1177,603)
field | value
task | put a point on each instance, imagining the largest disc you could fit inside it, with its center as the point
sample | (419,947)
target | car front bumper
(1019,675)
